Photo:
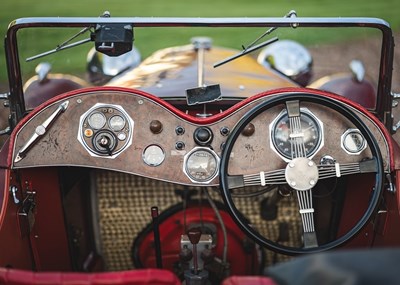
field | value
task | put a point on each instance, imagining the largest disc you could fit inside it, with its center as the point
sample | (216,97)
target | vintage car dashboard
(134,132)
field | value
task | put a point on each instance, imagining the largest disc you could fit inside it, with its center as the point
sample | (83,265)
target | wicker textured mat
(124,202)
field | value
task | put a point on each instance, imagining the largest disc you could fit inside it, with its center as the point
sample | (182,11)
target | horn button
(301,173)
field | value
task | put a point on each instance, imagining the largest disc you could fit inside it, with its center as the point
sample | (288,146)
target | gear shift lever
(194,237)
(195,276)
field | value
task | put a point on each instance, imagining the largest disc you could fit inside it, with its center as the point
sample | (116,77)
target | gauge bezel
(129,126)
(91,123)
(153,164)
(112,127)
(194,179)
(343,142)
(304,111)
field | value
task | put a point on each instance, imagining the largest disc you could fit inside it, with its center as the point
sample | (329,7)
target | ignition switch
(104,142)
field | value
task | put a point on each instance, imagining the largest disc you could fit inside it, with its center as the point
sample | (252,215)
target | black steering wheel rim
(312,98)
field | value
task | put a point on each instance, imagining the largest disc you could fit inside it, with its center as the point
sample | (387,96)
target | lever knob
(194,235)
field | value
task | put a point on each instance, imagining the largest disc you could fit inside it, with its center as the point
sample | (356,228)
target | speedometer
(201,165)
(282,137)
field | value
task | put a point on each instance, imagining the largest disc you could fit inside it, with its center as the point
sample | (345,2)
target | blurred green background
(12,9)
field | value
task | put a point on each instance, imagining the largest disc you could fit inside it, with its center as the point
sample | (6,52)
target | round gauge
(201,165)
(153,155)
(97,120)
(353,141)
(311,132)
(117,123)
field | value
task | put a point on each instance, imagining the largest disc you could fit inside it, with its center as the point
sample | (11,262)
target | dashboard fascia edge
(229,120)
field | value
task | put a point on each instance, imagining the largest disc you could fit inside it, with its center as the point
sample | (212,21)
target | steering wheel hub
(301,173)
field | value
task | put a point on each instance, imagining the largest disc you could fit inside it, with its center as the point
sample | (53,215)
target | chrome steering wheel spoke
(301,173)
(307,218)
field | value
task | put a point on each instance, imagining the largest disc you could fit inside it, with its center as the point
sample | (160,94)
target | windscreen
(341,60)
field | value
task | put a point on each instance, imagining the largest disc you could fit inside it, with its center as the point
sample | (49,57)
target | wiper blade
(246,51)
(252,47)
(58,48)
(65,44)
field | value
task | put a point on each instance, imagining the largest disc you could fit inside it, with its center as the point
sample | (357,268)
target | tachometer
(282,137)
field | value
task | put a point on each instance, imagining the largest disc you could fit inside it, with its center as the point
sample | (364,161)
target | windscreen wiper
(246,51)
(62,46)
(252,46)
(66,44)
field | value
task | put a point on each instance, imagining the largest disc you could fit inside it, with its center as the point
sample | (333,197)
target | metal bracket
(204,243)
(13,191)
(6,103)
(26,213)
(395,96)
(390,187)
(4,96)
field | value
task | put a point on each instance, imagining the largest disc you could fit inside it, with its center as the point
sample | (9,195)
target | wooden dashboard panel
(60,146)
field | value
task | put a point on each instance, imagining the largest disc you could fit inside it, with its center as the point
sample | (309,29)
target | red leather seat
(133,277)
(249,280)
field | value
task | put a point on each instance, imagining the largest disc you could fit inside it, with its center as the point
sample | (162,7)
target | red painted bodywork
(46,246)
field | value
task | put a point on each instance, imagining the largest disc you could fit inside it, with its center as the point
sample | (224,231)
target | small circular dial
(153,155)
(201,165)
(353,141)
(117,123)
(311,133)
(97,120)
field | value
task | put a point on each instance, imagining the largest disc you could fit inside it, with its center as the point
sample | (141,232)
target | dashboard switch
(203,136)
(179,130)
(224,131)
(248,130)
(180,145)
(156,127)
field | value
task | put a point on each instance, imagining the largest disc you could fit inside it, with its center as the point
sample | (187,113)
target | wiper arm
(59,48)
(252,47)
(291,14)
(246,51)
(66,44)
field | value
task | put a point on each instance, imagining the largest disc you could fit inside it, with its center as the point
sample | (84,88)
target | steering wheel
(295,176)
